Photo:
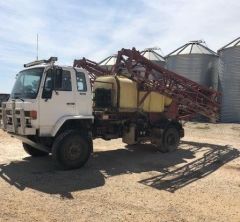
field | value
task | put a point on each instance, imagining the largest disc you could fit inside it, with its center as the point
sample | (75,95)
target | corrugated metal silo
(195,61)
(229,76)
(151,54)
(108,62)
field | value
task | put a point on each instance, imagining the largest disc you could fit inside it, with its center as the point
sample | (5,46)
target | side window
(81,82)
(63,81)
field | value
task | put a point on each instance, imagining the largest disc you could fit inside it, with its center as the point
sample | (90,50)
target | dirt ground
(198,182)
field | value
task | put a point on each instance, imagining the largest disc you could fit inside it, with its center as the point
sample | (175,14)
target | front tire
(71,150)
(33,151)
(170,140)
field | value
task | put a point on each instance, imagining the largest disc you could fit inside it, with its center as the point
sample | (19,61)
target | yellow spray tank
(122,94)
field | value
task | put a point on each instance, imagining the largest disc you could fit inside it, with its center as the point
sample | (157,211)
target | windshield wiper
(17,97)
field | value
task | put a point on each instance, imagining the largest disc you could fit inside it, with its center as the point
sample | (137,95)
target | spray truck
(60,110)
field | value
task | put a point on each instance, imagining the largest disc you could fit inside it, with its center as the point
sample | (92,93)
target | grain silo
(229,76)
(195,61)
(108,62)
(151,54)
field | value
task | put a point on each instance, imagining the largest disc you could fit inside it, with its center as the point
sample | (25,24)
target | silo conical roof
(109,61)
(151,54)
(192,47)
(235,42)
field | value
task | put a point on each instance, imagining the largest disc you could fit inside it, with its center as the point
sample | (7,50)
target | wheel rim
(73,151)
(171,139)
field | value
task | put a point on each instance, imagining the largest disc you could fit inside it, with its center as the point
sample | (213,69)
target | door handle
(70,104)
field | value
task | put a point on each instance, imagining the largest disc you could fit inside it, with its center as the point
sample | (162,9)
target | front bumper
(15,120)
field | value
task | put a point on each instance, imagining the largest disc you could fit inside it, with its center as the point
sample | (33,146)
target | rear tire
(170,141)
(71,150)
(33,151)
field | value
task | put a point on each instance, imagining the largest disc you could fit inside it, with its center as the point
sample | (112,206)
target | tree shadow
(40,174)
(215,157)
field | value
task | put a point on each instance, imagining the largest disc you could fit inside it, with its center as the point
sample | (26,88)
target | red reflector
(33,114)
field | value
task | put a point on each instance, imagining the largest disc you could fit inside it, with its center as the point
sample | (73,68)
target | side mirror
(48,86)
(47,93)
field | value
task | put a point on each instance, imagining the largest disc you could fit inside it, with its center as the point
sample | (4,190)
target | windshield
(27,84)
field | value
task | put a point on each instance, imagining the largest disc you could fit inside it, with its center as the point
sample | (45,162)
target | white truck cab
(59,93)
(44,99)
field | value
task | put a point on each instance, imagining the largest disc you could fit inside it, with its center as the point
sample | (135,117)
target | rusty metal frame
(93,68)
(191,97)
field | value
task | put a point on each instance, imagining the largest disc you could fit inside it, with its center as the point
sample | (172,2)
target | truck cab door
(83,94)
(57,99)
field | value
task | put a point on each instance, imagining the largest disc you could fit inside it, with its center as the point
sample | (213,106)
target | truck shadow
(174,170)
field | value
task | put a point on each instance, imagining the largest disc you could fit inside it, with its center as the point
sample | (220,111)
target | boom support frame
(189,97)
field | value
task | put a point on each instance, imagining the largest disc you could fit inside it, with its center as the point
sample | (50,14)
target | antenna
(37,46)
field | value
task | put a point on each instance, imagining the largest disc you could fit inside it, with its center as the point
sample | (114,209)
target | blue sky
(95,29)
